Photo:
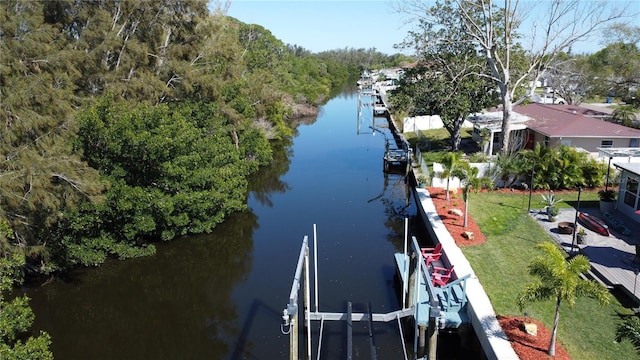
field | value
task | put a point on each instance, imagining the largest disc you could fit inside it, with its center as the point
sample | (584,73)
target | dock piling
(349,332)
(422,342)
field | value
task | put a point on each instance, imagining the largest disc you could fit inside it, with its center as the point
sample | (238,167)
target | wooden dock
(451,299)
(613,258)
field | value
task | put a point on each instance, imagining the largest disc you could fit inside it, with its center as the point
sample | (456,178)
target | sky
(326,25)
(319,25)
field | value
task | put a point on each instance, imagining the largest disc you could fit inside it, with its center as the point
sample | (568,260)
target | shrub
(607,195)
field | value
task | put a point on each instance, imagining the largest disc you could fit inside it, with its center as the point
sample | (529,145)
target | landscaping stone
(531,329)
(456,212)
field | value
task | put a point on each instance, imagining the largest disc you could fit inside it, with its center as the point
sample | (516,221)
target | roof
(619,152)
(493,120)
(571,121)
(630,167)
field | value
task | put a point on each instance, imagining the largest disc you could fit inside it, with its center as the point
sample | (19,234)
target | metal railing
(424,168)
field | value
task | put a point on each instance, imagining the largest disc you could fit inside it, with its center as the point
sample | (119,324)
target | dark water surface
(221,295)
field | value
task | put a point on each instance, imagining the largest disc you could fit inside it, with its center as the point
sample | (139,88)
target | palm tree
(629,329)
(560,280)
(624,115)
(508,168)
(538,160)
(469,175)
(450,163)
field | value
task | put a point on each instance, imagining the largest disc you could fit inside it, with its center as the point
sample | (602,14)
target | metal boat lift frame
(291,319)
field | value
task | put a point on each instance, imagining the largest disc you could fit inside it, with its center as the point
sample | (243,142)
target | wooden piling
(411,281)
(349,332)
(433,335)
(422,343)
(293,338)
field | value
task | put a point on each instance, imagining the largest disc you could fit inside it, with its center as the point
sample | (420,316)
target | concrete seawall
(483,318)
(493,340)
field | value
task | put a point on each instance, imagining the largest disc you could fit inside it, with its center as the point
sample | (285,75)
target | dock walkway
(613,258)
(494,341)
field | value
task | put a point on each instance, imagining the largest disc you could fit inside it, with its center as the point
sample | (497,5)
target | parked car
(548,99)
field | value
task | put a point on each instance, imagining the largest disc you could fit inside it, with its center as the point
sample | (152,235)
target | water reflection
(267,181)
(221,295)
(176,304)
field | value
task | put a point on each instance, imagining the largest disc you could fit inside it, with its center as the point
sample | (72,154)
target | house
(491,123)
(629,191)
(571,125)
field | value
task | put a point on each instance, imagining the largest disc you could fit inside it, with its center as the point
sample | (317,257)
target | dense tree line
(612,71)
(357,60)
(127,122)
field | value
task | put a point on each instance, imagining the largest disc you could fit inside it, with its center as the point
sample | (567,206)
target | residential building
(554,125)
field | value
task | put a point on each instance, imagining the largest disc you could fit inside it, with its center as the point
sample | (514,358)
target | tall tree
(569,78)
(621,33)
(39,172)
(498,30)
(559,280)
(450,79)
(615,70)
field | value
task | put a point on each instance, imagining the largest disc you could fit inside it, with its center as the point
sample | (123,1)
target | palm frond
(630,330)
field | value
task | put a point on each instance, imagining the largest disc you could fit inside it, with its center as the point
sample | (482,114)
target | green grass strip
(587,330)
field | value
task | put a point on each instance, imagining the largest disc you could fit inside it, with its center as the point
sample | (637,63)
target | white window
(606,144)
(631,193)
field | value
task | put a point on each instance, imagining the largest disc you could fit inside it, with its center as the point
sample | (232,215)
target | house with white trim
(554,125)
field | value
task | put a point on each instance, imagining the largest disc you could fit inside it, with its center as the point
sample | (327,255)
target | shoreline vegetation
(129,123)
(121,134)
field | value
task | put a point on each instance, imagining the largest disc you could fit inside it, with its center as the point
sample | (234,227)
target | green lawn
(586,330)
(432,140)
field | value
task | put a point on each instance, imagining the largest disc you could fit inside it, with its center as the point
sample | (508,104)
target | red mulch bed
(452,222)
(529,347)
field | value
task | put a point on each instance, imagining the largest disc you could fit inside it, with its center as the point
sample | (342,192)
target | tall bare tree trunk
(507,108)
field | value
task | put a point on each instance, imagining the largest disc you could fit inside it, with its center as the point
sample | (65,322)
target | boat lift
(412,305)
(397,155)
(365,118)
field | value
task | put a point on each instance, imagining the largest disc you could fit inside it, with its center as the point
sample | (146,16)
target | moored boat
(593,223)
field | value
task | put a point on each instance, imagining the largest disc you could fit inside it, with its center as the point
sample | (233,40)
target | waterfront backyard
(586,331)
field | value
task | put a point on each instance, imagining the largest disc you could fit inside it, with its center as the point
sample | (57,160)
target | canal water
(221,295)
